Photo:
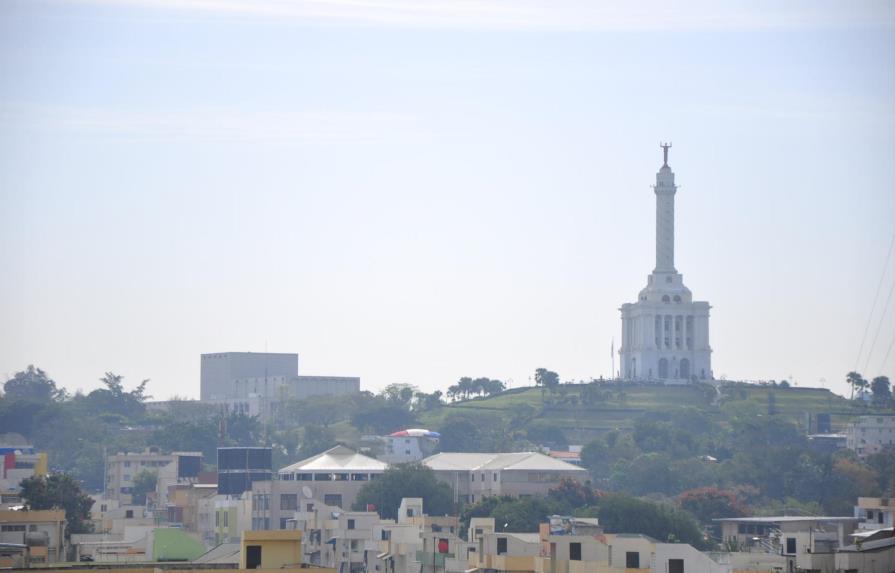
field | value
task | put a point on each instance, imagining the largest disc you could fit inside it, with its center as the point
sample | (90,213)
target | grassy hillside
(617,405)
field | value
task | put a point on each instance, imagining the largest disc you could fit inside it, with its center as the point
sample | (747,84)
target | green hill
(584,411)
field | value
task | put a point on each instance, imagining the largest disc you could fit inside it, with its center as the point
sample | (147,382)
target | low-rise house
(270,550)
(875,513)
(408,446)
(808,543)
(41,530)
(870,551)
(473,476)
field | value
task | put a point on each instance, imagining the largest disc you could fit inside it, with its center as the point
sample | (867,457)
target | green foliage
(59,491)
(573,494)
(882,390)
(405,480)
(467,387)
(32,384)
(314,440)
(144,482)
(619,513)
(547,379)
(708,503)
(383,418)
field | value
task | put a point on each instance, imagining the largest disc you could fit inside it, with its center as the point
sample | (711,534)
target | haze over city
(415,193)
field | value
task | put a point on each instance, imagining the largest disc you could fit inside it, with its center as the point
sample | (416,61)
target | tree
(399,394)
(405,480)
(423,402)
(314,440)
(708,503)
(113,398)
(573,494)
(882,391)
(32,384)
(59,491)
(856,381)
(546,379)
(620,513)
(145,481)
(383,418)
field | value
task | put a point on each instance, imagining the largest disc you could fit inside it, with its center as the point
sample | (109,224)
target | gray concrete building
(221,371)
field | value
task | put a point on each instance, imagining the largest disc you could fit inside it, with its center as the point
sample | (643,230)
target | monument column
(665,190)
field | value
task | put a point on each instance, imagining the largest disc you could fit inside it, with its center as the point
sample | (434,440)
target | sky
(413,192)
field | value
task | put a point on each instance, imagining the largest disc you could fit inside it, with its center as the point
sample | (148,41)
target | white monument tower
(665,334)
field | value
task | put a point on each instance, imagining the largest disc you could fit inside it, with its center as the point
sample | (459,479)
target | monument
(665,334)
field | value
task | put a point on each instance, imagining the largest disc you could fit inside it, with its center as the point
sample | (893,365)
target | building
(19,462)
(223,373)
(806,543)
(473,476)
(334,476)
(257,383)
(408,446)
(122,467)
(665,334)
(270,549)
(240,467)
(870,434)
(875,513)
(42,530)
(870,551)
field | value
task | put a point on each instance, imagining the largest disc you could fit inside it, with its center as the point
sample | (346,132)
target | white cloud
(310,126)
(542,14)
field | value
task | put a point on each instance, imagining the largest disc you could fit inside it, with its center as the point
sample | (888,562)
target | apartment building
(18,462)
(121,468)
(870,434)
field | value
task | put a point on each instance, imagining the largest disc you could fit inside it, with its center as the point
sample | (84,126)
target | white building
(870,434)
(875,513)
(408,446)
(665,334)
(473,476)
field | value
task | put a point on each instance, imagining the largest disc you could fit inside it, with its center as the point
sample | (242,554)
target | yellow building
(270,549)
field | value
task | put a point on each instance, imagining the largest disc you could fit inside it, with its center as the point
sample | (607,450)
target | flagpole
(612,355)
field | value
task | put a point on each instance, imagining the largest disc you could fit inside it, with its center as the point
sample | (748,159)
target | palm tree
(855,380)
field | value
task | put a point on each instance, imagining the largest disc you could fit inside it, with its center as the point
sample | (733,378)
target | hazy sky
(415,191)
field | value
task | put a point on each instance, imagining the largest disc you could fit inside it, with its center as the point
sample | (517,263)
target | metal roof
(782,519)
(471,461)
(337,459)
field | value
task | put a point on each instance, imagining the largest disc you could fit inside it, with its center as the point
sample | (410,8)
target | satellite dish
(306,491)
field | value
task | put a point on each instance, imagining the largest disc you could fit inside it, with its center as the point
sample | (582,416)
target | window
(501,545)
(632,560)
(226,519)
(386,534)
(253,556)
(359,477)
(127,464)
(675,566)
(309,507)
(350,524)
(304,477)
(869,514)
(129,514)
(12,528)
(494,476)
(790,545)
(472,478)
(574,551)
(283,521)
(334,499)
(289,501)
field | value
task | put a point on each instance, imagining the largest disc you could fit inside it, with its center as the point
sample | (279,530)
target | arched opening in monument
(685,369)
(663,368)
